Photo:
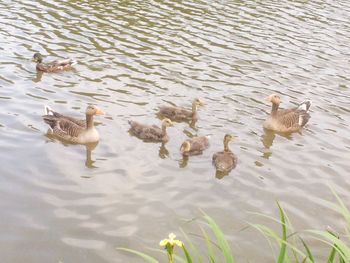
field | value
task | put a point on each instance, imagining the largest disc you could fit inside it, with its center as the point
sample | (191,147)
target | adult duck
(286,120)
(53,66)
(71,129)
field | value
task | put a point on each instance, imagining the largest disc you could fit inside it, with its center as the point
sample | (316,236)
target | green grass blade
(146,257)
(188,257)
(340,246)
(211,254)
(331,255)
(308,251)
(193,247)
(283,245)
(223,244)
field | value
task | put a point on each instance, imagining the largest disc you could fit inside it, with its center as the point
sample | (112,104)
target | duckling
(181,114)
(286,120)
(53,66)
(150,132)
(194,146)
(225,160)
(73,130)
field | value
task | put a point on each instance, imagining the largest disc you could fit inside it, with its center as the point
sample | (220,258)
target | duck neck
(226,148)
(194,109)
(163,129)
(274,108)
(89,121)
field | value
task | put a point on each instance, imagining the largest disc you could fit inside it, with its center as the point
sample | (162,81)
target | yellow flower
(171,241)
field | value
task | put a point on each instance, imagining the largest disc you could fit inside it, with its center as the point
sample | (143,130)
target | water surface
(72,203)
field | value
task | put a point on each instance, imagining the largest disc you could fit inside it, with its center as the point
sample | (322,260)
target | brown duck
(225,160)
(150,132)
(181,114)
(53,66)
(71,129)
(286,120)
(194,146)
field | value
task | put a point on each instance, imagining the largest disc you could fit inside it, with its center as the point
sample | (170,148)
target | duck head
(38,58)
(93,110)
(274,99)
(185,148)
(167,123)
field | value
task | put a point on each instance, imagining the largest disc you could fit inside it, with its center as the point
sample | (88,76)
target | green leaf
(223,244)
(308,251)
(194,249)
(340,246)
(209,245)
(283,245)
(188,257)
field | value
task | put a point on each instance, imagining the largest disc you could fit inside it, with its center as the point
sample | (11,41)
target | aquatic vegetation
(291,245)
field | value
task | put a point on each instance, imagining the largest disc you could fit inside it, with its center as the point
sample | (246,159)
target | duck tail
(48,110)
(50,120)
(305,105)
(73,62)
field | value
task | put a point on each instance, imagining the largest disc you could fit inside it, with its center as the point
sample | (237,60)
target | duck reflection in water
(38,77)
(267,140)
(89,147)
(89,163)
(163,151)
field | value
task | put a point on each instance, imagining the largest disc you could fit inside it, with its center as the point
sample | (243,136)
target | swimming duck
(73,130)
(150,132)
(181,114)
(194,146)
(225,160)
(56,65)
(286,120)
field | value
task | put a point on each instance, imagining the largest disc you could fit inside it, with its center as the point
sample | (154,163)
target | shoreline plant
(291,246)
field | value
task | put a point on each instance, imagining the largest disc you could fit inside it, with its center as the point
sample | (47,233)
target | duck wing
(292,117)
(176,113)
(224,161)
(64,128)
(199,144)
(146,132)
(79,122)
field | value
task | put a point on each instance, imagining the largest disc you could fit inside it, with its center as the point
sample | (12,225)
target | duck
(150,132)
(194,146)
(71,129)
(180,114)
(53,66)
(286,120)
(225,160)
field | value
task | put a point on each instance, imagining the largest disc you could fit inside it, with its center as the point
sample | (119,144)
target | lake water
(71,203)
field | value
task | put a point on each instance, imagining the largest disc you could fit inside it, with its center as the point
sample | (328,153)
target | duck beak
(99,112)
(268,98)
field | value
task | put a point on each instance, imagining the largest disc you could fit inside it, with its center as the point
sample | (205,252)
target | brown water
(72,204)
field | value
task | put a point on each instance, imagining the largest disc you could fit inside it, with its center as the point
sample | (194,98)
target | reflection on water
(163,152)
(38,76)
(221,174)
(89,163)
(89,147)
(183,161)
(268,138)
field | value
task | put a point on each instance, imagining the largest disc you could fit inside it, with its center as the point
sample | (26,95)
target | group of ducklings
(83,131)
